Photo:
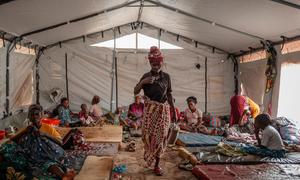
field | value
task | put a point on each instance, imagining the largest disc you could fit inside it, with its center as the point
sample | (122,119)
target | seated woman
(270,143)
(85,118)
(96,111)
(35,150)
(135,113)
(240,116)
(193,117)
(253,107)
(65,115)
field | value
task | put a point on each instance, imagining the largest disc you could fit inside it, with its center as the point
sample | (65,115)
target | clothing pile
(233,134)
(288,130)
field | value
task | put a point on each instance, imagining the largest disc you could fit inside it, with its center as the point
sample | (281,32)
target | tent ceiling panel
(91,25)
(197,30)
(262,18)
(19,17)
(265,19)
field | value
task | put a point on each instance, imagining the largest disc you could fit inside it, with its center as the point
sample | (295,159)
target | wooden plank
(105,134)
(96,168)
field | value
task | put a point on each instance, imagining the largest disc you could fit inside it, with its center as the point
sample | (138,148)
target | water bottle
(116,120)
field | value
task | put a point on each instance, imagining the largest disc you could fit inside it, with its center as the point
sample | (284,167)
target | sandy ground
(136,169)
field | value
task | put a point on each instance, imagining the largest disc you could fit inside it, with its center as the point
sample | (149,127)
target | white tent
(210,30)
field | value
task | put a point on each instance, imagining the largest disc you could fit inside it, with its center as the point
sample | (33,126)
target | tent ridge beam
(204,20)
(2,2)
(80,18)
(140,10)
(286,3)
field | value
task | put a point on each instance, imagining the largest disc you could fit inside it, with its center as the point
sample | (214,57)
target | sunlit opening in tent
(136,40)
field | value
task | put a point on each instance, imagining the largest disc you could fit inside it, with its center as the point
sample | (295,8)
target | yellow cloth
(51,131)
(254,108)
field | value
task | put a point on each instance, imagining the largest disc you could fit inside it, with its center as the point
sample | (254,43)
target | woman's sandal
(186,165)
(158,171)
(131,147)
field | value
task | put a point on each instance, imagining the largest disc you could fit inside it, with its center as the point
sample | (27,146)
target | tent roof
(231,25)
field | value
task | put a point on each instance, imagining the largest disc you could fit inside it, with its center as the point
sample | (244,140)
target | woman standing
(156,85)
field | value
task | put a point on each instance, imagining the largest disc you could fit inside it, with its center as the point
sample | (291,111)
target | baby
(84,117)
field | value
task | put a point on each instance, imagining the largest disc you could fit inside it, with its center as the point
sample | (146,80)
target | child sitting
(84,117)
(270,144)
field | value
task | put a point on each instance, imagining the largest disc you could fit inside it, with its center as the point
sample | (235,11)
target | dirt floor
(136,169)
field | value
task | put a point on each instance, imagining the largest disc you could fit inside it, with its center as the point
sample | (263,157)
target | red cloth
(238,105)
(232,171)
(83,114)
(155,55)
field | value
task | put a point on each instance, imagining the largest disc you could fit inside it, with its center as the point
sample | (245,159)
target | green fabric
(12,153)
(227,150)
(15,165)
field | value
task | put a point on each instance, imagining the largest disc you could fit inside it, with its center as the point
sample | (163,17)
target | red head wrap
(155,55)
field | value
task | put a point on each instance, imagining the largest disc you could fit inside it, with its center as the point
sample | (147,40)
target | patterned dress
(156,117)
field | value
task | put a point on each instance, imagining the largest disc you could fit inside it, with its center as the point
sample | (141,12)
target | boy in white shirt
(270,144)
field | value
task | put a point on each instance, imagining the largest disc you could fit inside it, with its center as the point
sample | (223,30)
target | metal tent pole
(117,87)
(113,72)
(158,37)
(67,79)
(37,76)
(10,47)
(205,85)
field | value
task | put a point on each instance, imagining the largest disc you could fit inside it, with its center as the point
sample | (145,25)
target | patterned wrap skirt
(155,129)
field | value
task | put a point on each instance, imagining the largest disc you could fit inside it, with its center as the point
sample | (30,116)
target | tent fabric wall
(21,80)
(89,72)
(253,78)
(282,58)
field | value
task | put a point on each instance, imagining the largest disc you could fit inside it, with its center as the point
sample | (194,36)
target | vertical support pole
(7,79)
(158,37)
(37,74)
(117,87)
(67,79)
(136,40)
(205,85)
(236,74)
(113,72)
(37,78)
